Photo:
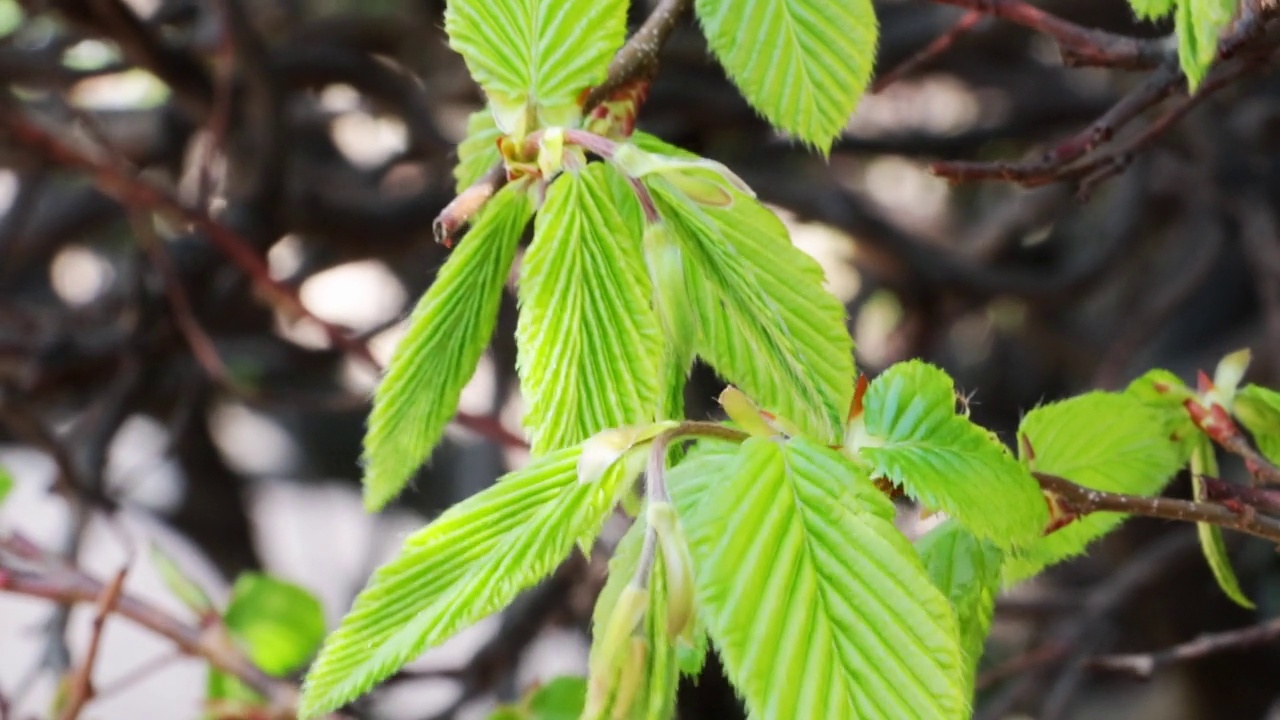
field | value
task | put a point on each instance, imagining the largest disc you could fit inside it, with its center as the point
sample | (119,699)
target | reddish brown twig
(1223,430)
(81,687)
(962,26)
(1144,665)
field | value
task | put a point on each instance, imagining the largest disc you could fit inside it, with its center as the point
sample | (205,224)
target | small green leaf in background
(1205,463)
(966,570)
(449,330)
(535,54)
(182,587)
(1151,9)
(943,460)
(6,484)
(766,322)
(803,64)
(560,699)
(589,341)
(1258,409)
(469,563)
(1105,441)
(479,151)
(280,624)
(1198,25)
(818,605)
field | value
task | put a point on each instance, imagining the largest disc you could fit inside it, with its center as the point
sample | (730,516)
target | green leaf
(6,484)
(536,54)
(560,699)
(817,603)
(589,342)
(471,562)
(182,587)
(279,623)
(1164,393)
(1198,24)
(940,458)
(1204,462)
(803,64)
(1152,9)
(766,323)
(966,570)
(1100,440)
(1258,409)
(479,152)
(449,330)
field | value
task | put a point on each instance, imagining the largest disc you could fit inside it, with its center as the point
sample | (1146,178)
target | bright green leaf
(817,603)
(766,322)
(1104,441)
(538,54)
(1258,409)
(279,623)
(6,484)
(1164,393)
(803,64)
(1198,24)
(940,458)
(449,330)
(1205,463)
(589,341)
(478,153)
(1152,9)
(966,570)
(471,562)
(560,699)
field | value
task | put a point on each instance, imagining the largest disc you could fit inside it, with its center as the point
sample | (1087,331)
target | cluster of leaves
(771,536)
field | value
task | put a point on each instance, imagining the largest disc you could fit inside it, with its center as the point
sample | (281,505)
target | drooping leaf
(817,603)
(449,330)
(535,55)
(1258,409)
(1198,24)
(1105,441)
(1205,463)
(966,570)
(918,440)
(589,341)
(765,321)
(1163,393)
(478,153)
(280,624)
(803,64)
(472,561)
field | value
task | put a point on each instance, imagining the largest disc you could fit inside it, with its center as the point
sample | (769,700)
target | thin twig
(1144,665)
(965,24)
(81,687)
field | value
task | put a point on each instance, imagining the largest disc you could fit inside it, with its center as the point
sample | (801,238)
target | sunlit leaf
(471,562)
(817,603)
(1198,24)
(1164,393)
(918,440)
(6,484)
(478,153)
(802,64)
(448,332)
(589,341)
(280,624)
(1258,409)
(1104,441)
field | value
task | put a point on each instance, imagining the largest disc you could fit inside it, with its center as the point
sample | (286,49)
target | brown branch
(1223,430)
(1144,665)
(81,686)
(638,58)
(1083,501)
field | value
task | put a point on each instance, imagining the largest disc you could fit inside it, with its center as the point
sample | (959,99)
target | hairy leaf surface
(449,330)
(765,321)
(472,561)
(817,603)
(802,64)
(967,570)
(535,54)
(589,343)
(479,151)
(943,460)
(1105,441)
(1163,393)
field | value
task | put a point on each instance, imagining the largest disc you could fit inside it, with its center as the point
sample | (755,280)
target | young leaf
(1100,440)
(1258,409)
(817,603)
(1163,393)
(1204,462)
(535,54)
(479,151)
(589,340)
(966,570)
(6,484)
(280,624)
(766,323)
(1198,23)
(940,458)
(1151,9)
(450,329)
(472,561)
(802,64)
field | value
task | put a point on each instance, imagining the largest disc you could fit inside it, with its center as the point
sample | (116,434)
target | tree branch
(1144,665)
